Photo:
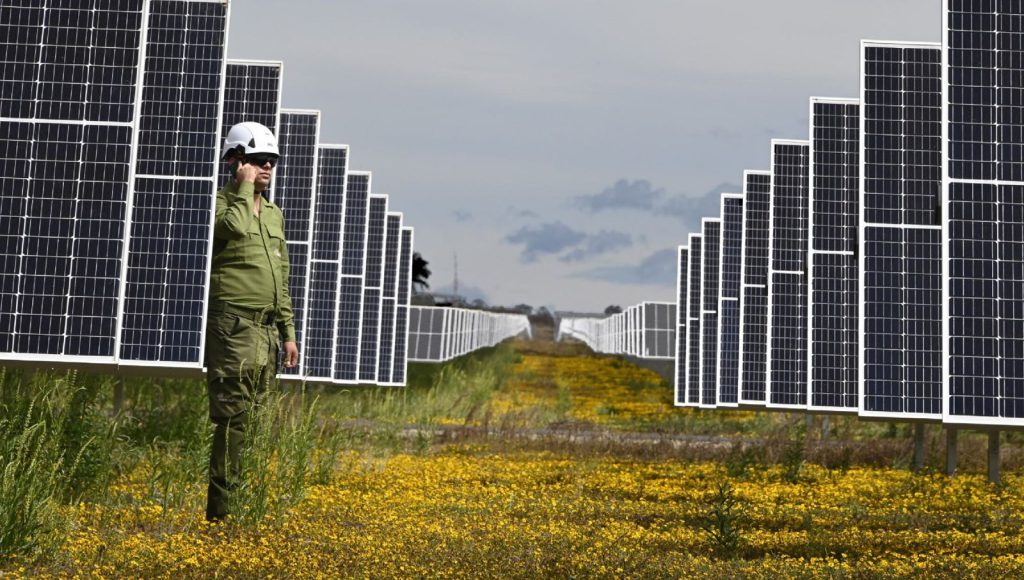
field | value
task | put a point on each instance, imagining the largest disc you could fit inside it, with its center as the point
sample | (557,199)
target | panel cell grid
(835,214)
(710,280)
(70,63)
(252,93)
(693,358)
(902,134)
(753,290)
(901,263)
(729,292)
(682,317)
(296,175)
(787,274)
(322,312)
(984,233)
(176,167)
(63,203)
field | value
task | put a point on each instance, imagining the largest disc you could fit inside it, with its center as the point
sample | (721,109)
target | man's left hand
(291,355)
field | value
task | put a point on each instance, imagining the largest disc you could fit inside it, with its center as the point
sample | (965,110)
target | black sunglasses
(261,160)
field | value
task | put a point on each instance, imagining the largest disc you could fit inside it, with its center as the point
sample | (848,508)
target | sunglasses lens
(261,160)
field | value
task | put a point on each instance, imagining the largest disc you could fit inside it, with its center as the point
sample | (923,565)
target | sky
(563,149)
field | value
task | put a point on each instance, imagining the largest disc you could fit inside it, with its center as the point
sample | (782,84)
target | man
(250,309)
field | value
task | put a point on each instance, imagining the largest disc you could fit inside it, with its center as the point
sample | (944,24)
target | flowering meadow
(370,484)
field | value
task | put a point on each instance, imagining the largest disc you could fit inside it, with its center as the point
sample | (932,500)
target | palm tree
(420,272)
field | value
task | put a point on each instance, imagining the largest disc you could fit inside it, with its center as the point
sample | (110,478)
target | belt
(264,317)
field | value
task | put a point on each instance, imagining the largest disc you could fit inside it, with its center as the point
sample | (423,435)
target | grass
(530,458)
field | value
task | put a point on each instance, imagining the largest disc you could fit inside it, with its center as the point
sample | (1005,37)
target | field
(526,460)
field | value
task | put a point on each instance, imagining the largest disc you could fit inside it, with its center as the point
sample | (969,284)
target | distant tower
(455,282)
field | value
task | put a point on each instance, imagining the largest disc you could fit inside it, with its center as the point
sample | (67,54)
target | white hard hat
(250,138)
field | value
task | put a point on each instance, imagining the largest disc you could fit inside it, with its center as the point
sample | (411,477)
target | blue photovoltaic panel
(296,173)
(984,230)
(834,217)
(293,188)
(176,169)
(754,287)
(68,88)
(353,269)
(787,275)
(376,235)
(402,307)
(729,307)
(901,263)
(322,311)
(350,302)
(711,240)
(62,220)
(389,292)
(356,210)
(693,358)
(682,316)
(252,92)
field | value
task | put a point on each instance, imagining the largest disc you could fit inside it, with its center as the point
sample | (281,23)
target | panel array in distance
(833,221)
(69,104)
(657,325)
(983,233)
(730,272)
(787,276)
(900,241)
(682,317)
(754,288)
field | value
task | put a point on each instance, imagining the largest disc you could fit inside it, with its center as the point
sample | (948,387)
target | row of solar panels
(878,267)
(645,330)
(437,334)
(111,118)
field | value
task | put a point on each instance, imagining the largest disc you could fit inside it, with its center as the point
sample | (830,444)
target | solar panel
(177,145)
(324,253)
(389,293)
(353,264)
(658,331)
(833,222)
(900,253)
(71,74)
(252,92)
(711,232)
(983,233)
(730,270)
(693,358)
(754,287)
(402,322)
(376,230)
(295,182)
(787,276)
(682,316)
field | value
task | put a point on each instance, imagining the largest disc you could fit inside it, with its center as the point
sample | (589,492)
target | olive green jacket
(250,258)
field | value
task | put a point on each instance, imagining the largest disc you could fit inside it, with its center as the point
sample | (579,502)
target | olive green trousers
(241,363)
